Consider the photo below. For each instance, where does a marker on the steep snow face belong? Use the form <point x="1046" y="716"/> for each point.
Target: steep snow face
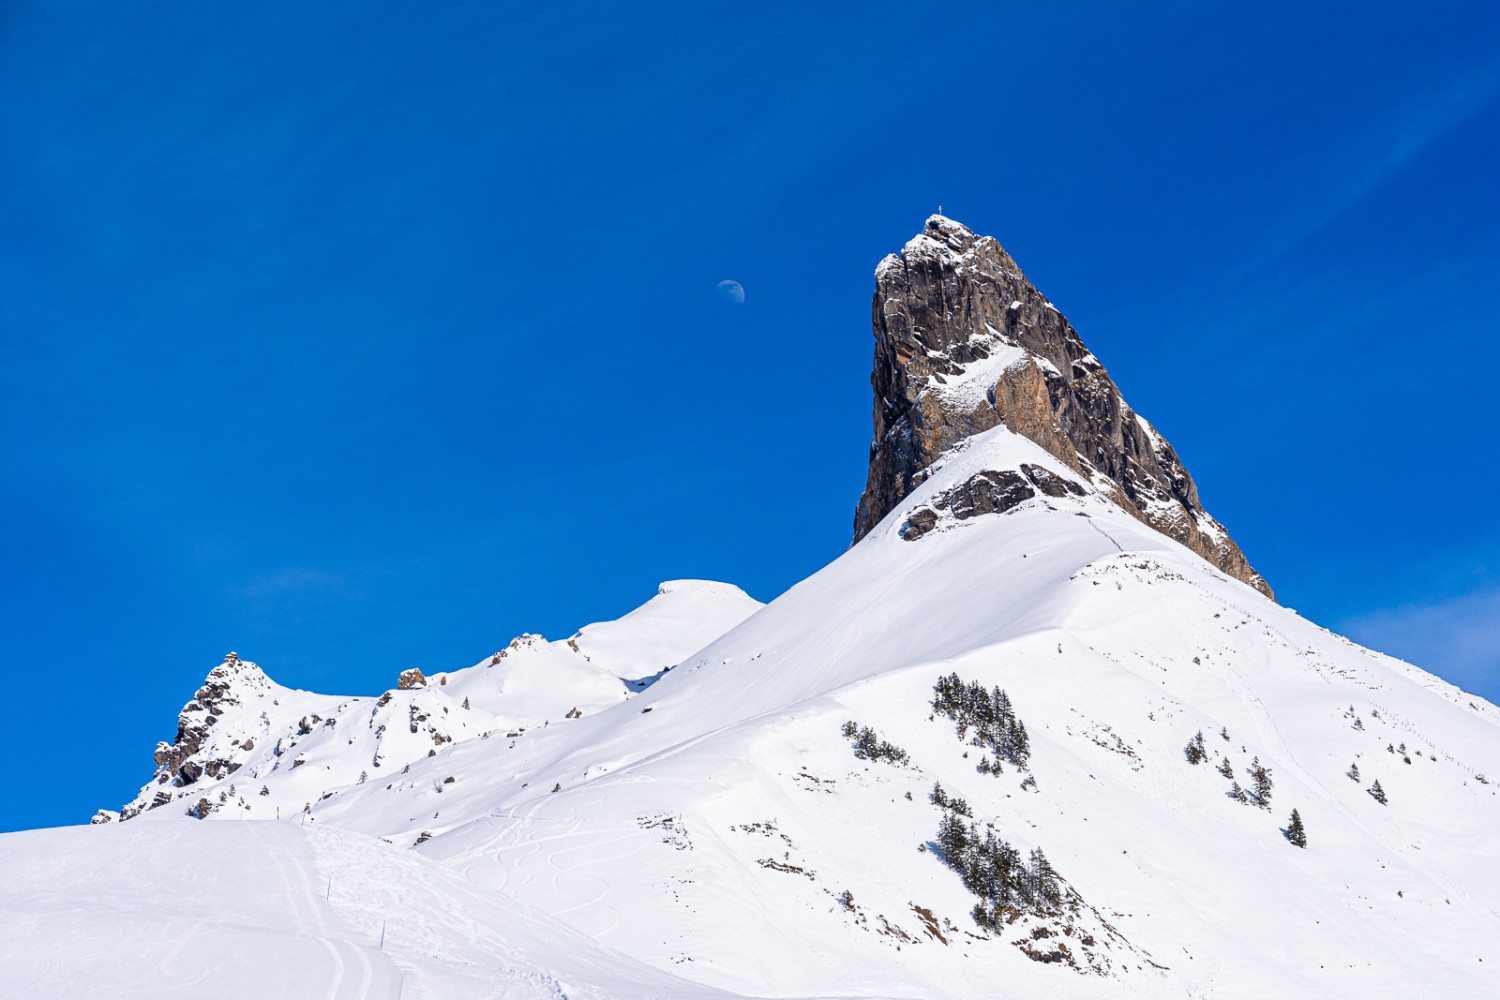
<point x="718" y="824"/>
<point x="742" y="832"/>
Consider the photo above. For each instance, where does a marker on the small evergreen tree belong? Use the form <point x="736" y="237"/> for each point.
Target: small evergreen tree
<point x="1237" y="793"/>
<point x="1021" y="744"/>
<point x="1194" y="750"/>
<point x="1377" y="793"/>
<point x="1262" y="777"/>
<point x="1294" y="831"/>
<point x="1354" y="771"/>
<point x="1224" y="733"/>
<point x="1043" y="879"/>
<point x="1225" y="768"/>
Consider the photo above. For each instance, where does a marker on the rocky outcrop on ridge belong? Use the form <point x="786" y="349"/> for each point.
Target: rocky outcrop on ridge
<point x="189" y="757"/>
<point x="964" y="343"/>
<point x="176" y="761"/>
<point x="988" y="492"/>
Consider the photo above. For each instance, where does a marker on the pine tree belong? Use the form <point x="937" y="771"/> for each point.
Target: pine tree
<point x="952" y="837"/>
<point x="1262" y="776"/>
<point x="1022" y="745"/>
<point x="1224" y="733"/>
<point x="1194" y="750"/>
<point x="1237" y="793"/>
<point x="1044" y="878"/>
<point x="1294" y="831"/>
<point x="1225" y="768"/>
<point x="1354" y="771"/>
<point x="1377" y="793"/>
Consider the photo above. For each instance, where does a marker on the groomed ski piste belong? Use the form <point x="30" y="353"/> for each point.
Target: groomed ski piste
<point x="593" y="824"/>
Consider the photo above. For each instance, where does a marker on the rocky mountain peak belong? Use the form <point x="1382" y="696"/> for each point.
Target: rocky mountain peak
<point x="964" y="343"/>
<point x="191" y="755"/>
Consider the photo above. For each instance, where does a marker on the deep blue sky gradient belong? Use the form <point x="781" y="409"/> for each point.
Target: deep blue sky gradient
<point x="360" y="336"/>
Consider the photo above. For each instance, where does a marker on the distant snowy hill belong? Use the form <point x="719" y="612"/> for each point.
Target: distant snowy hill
<point x="1039" y="733"/>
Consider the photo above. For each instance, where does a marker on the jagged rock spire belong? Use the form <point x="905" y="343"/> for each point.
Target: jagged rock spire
<point x="963" y="343"/>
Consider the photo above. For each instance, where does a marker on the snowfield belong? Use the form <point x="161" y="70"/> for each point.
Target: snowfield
<point x="257" y="910"/>
<point x="574" y="819"/>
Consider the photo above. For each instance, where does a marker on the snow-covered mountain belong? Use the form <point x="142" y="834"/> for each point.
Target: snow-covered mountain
<point x="1040" y="732"/>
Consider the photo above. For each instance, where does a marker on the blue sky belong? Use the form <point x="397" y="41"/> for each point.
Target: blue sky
<point x="356" y="336"/>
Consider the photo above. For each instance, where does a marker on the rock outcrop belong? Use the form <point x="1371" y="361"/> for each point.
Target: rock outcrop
<point x="177" y="762"/>
<point x="964" y="343"/>
<point x="191" y="755"/>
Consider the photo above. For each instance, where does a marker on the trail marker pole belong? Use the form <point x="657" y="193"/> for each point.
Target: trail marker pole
<point x="382" y="935"/>
<point x="329" y="893"/>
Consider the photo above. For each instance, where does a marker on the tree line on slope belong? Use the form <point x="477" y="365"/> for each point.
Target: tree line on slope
<point x="991" y="716"/>
<point x="1007" y="884"/>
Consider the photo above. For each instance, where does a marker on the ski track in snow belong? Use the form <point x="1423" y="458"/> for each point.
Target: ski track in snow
<point x="302" y="892"/>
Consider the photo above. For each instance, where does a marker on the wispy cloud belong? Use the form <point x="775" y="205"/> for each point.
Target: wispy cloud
<point x="1369" y="156"/>
<point x="1458" y="639"/>
<point x="296" y="580"/>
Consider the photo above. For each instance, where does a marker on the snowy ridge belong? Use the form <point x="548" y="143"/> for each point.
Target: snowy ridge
<point x="249" y="746"/>
<point x="714" y="822"/>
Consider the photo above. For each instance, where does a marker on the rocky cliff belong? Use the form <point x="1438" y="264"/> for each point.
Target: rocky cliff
<point x="963" y="343"/>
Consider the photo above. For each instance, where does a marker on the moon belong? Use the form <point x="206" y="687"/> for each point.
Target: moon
<point x="732" y="291"/>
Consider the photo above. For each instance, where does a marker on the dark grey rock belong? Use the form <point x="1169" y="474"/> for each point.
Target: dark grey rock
<point x="989" y="493"/>
<point x="1051" y="484"/>
<point x="919" y="522"/>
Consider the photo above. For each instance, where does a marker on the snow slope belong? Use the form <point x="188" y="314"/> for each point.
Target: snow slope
<point x="258" y="910"/>
<point x="708" y="821"/>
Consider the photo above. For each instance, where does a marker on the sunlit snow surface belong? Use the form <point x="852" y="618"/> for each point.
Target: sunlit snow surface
<point x="705" y="819"/>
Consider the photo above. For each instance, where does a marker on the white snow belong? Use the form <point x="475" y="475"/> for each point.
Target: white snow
<point x="703" y="825"/>
<point x="967" y="391"/>
<point x="257" y="910"/>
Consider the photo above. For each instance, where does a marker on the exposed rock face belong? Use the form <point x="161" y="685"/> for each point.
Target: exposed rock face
<point x="963" y="343"/>
<point x="988" y="492"/>
<point x="178" y="762"/>
<point x="410" y="679"/>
